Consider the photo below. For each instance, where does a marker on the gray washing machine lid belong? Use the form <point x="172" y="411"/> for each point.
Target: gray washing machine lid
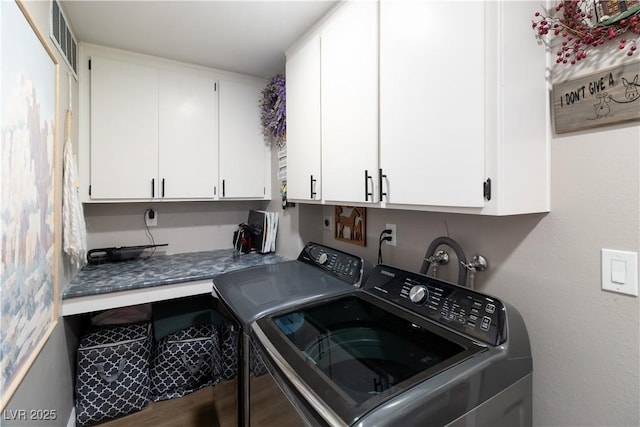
<point x="258" y="291"/>
<point x="353" y="353"/>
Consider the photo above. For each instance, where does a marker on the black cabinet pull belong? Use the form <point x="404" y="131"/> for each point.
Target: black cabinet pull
<point x="153" y="188"/>
<point x="223" y="189"/>
<point x="367" y="193"/>
<point x="313" y="193"/>
<point x="381" y="176"/>
<point x="162" y="187"/>
<point x="486" y="189"/>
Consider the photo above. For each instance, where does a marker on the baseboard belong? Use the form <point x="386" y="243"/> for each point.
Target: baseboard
<point x="72" y="418"/>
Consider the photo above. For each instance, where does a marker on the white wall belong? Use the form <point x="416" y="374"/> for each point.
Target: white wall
<point x="186" y="227"/>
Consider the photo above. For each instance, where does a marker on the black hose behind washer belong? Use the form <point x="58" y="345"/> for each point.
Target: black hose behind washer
<point x="462" y="259"/>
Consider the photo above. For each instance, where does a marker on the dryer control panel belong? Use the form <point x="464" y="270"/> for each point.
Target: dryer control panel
<point x="459" y="308"/>
<point x="344" y="266"/>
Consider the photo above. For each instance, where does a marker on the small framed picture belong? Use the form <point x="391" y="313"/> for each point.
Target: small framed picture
<point x="351" y="225"/>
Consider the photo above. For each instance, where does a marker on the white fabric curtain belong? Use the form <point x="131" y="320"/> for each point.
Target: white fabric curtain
<point x="74" y="230"/>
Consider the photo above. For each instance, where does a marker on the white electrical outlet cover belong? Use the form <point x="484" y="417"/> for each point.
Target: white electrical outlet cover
<point x="394" y="236"/>
<point x="151" y="222"/>
<point x="327" y="223"/>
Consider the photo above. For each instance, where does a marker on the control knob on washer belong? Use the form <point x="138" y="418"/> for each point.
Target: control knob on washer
<point x="418" y="294"/>
<point x="322" y="258"/>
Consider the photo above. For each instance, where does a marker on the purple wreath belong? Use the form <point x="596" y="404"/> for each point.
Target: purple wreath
<point x="274" y="108"/>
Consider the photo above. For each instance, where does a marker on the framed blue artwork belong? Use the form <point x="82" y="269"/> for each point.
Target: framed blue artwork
<point x="29" y="248"/>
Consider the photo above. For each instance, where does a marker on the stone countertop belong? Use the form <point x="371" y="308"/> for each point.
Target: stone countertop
<point x="161" y="270"/>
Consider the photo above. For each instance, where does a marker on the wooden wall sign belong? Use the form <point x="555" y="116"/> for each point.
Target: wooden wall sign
<point x="351" y="225"/>
<point x="598" y="99"/>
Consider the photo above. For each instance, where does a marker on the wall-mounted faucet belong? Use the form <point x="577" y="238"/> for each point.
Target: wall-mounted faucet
<point x="466" y="270"/>
<point x="439" y="258"/>
<point x="477" y="263"/>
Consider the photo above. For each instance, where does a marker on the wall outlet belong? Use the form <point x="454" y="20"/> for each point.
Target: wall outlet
<point x="151" y="217"/>
<point x="393" y="241"/>
<point x="327" y="223"/>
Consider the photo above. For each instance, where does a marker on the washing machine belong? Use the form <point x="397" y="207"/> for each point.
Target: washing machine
<point x="401" y="349"/>
<point x="319" y="273"/>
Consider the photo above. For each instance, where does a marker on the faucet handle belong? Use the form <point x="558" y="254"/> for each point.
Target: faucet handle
<point x="441" y="257"/>
<point x="477" y="263"/>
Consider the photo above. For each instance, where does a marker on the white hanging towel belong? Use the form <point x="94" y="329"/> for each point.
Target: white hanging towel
<point x="74" y="230"/>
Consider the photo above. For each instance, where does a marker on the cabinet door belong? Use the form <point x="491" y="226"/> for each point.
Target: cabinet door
<point x="303" y="123"/>
<point x="349" y="91"/>
<point x="432" y="102"/>
<point x="124" y="130"/>
<point x="188" y="166"/>
<point x="243" y="149"/>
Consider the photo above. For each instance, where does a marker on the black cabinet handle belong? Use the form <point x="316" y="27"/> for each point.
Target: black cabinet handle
<point x="162" y="187"/>
<point x="223" y="189"/>
<point x="381" y="176"/>
<point x="313" y="193"/>
<point x="367" y="193"/>
<point x="153" y="188"/>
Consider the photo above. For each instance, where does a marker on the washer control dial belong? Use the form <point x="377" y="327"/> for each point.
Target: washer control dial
<point x="418" y="294"/>
<point x="323" y="258"/>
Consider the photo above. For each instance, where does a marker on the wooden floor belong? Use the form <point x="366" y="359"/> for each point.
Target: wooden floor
<point x="216" y="407"/>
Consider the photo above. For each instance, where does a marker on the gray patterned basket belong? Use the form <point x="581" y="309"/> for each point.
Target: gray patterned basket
<point x="185" y="361"/>
<point x="112" y="377"/>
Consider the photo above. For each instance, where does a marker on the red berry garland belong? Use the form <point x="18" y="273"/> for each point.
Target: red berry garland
<point x="583" y="24"/>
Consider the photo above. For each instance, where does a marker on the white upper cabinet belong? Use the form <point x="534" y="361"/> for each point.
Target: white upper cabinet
<point x="188" y="141"/>
<point x="349" y="103"/>
<point x="463" y="111"/>
<point x="244" y="153"/>
<point x="154" y="133"/>
<point x="303" y="122"/>
<point x="154" y="129"/>
<point x="464" y="121"/>
<point x="432" y="102"/>
<point x="518" y="124"/>
<point x="124" y="130"/>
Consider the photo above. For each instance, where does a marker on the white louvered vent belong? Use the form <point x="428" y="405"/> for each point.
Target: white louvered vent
<point x="63" y="38"/>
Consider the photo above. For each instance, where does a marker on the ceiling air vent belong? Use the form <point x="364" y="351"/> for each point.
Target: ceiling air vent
<point x="63" y="38"/>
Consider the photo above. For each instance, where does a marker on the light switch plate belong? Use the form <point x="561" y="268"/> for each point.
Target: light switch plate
<point x="620" y="271"/>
